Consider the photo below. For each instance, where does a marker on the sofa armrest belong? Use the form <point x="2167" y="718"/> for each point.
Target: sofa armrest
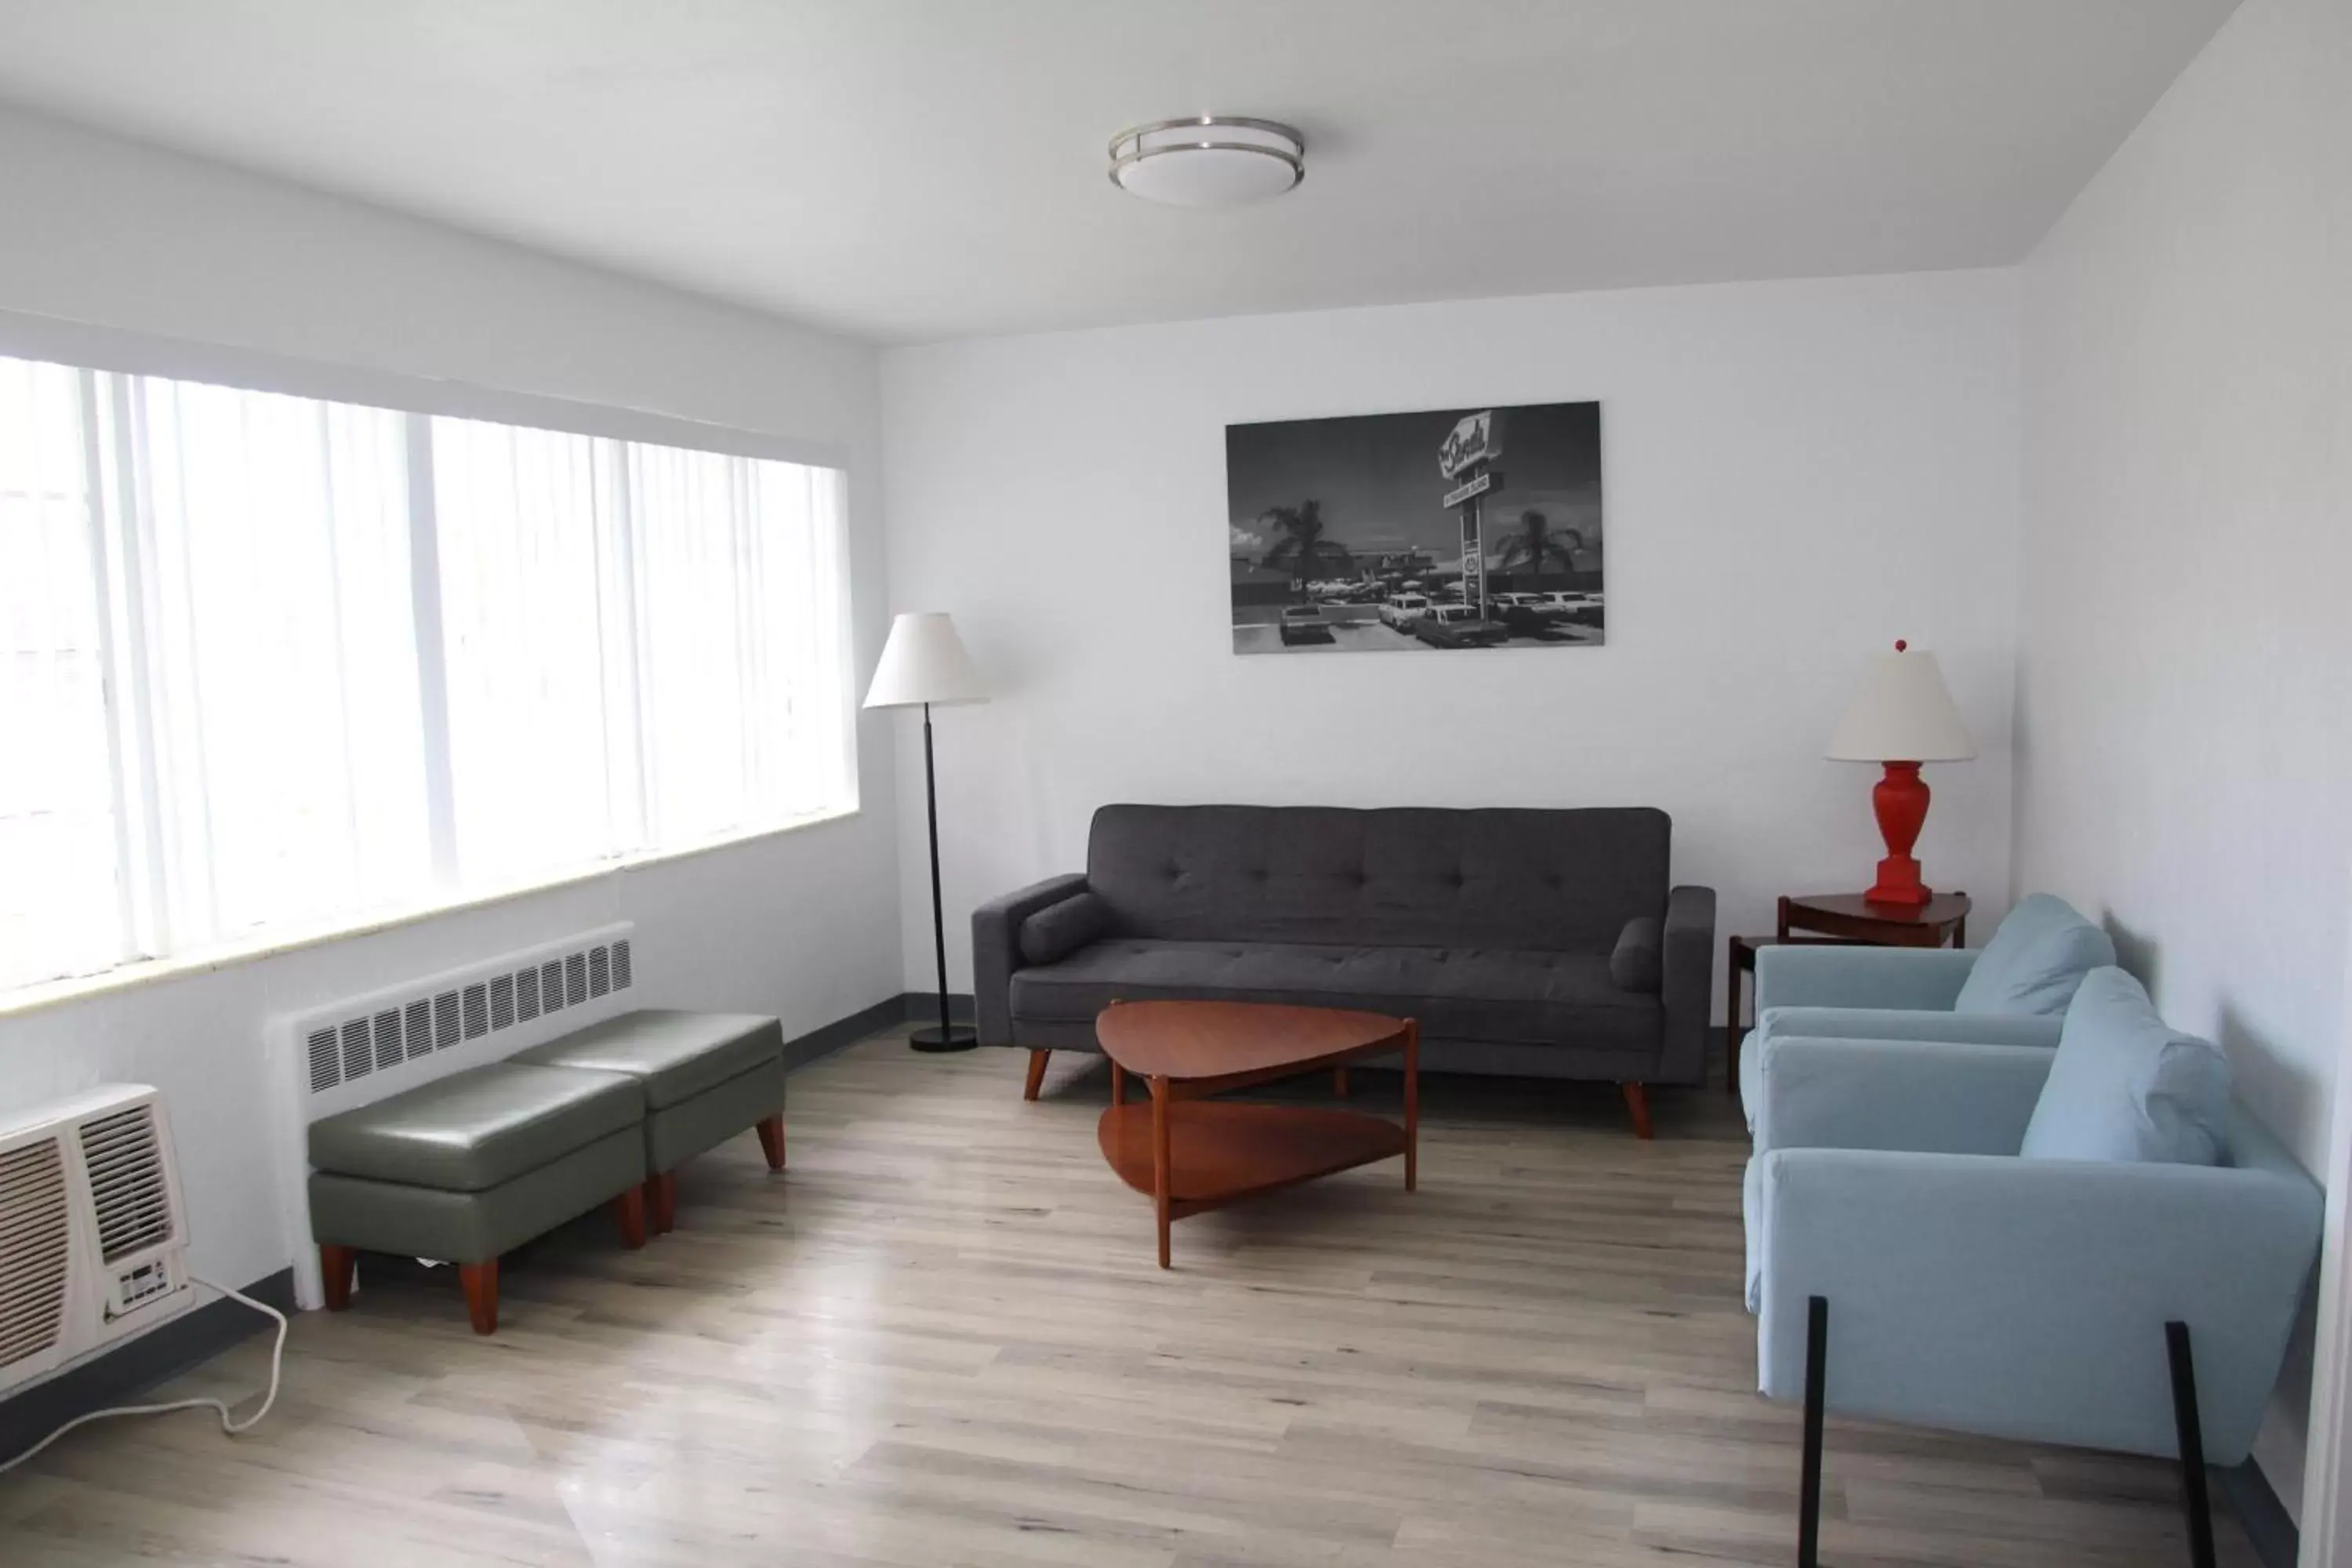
<point x="996" y="950"/>
<point x="2028" y="1298"/>
<point x="1686" y="985"/>
<point x="1924" y="1096"/>
<point x="1820" y="975"/>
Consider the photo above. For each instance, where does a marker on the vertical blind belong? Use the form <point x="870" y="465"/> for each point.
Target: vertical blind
<point x="271" y="662"/>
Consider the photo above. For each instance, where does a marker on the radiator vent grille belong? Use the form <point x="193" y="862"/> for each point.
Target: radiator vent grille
<point x="402" y="1030"/>
<point x="128" y="1183"/>
<point x="36" y="1249"/>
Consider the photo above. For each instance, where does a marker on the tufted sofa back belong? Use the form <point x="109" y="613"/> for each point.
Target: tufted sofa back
<point x="1412" y="877"/>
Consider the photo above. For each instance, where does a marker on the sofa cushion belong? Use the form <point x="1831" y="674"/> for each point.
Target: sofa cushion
<point x="1638" y="961"/>
<point x="675" y="1055"/>
<point x="1060" y="929"/>
<point x="475" y="1129"/>
<point x="1408" y="876"/>
<point x="2126" y="1086"/>
<point x="1457" y="994"/>
<point x="2037" y="956"/>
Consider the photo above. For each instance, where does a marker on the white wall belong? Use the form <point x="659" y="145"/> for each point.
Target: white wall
<point x="2183" y="752"/>
<point x="803" y="925"/>
<point x="1796" y="474"/>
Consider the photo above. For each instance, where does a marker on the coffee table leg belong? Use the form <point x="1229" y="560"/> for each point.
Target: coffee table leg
<point x="1159" y="1161"/>
<point x="1412" y="1105"/>
<point x="1118" y="1084"/>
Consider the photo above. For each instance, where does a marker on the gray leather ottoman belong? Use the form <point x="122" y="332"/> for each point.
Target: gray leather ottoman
<point x="465" y="1167"/>
<point x="705" y="1076"/>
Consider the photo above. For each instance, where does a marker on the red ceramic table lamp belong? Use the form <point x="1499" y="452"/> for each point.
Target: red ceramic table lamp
<point x="1901" y="716"/>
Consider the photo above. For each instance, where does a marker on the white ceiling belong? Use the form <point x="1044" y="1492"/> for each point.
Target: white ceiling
<point x="916" y="169"/>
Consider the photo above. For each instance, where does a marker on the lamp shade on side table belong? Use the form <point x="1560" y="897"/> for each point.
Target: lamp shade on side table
<point x="1901" y="715"/>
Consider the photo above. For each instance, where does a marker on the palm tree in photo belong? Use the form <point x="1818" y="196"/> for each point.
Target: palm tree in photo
<point x="1302" y="544"/>
<point x="1536" y="541"/>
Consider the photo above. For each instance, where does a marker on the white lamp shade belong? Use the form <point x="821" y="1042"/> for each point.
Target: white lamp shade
<point x="924" y="662"/>
<point x="1901" y="713"/>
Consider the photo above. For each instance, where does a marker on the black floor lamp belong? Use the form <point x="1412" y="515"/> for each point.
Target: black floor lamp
<point x="924" y="665"/>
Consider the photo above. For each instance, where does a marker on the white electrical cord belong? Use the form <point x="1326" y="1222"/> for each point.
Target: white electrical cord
<point x="229" y="1424"/>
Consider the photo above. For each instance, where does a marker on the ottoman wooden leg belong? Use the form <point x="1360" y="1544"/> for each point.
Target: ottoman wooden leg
<point x="771" y="1140"/>
<point x="661" y="1202"/>
<point x="336" y="1266"/>
<point x="481" y="1283"/>
<point x="629" y="1214"/>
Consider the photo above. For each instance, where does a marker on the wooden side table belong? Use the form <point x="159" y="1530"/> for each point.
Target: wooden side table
<point x="1835" y="919"/>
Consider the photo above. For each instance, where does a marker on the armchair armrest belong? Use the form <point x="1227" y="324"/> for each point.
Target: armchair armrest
<point x="996" y="950"/>
<point x="1924" y="1096"/>
<point x="1686" y="985"/>
<point x="2028" y="1298"/>
<point x="1809" y="975"/>
<point x="1912" y="1023"/>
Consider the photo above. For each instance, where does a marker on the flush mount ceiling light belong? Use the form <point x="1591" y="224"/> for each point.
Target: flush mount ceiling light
<point x="1208" y="161"/>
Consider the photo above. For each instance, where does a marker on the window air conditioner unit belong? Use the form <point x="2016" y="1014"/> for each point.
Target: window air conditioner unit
<point x="93" y="1233"/>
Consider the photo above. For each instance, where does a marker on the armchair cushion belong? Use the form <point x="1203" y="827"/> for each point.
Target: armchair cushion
<point x="2124" y="1085"/>
<point x="1060" y="929"/>
<point x="1638" y="961"/>
<point x="2035" y="960"/>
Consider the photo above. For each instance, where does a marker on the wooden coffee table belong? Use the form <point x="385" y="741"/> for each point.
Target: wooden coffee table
<point x="1191" y="1153"/>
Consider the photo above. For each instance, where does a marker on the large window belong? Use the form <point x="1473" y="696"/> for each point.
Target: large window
<point x="267" y="662"/>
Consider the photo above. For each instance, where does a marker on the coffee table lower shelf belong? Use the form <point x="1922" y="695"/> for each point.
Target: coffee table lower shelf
<point x="1222" y="1149"/>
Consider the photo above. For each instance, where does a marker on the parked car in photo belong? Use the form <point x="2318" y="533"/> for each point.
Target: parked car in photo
<point x="1570" y="605"/>
<point x="1303" y="624"/>
<point x="1496" y="603"/>
<point x="1523" y="620"/>
<point x="1458" y="626"/>
<point x="1402" y="610"/>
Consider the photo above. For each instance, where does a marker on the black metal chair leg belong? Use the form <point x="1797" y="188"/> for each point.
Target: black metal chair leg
<point x="1809" y="1494"/>
<point x="2191" y="1435"/>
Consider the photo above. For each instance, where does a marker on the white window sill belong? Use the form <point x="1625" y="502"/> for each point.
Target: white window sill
<point x="269" y="944"/>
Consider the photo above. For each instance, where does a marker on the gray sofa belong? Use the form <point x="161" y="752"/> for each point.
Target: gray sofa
<point x="1541" y="942"/>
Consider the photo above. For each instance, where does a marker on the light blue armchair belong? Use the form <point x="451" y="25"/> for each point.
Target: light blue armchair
<point x="2012" y="992"/>
<point x="1907" y="1263"/>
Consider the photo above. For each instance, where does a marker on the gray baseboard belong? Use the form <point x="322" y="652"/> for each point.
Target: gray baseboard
<point x="2275" y="1537"/>
<point x="923" y="1007"/>
<point x="122" y="1374"/>
<point x="907" y="1007"/>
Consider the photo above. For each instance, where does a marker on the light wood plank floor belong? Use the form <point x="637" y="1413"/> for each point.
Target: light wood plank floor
<point x="938" y="1339"/>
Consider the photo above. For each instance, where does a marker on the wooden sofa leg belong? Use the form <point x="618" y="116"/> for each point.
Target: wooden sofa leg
<point x="661" y="1202"/>
<point x="481" y="1283"/>
<point x="629" y="1215"/>
<point x="1637" y="1105"/>
<point x="771" y="1140"/>
<point x="336" y="1266"/>
<point x="1037" y="1074"/>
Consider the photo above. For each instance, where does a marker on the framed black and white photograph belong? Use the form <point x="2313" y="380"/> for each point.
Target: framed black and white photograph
<point x="1458" y="528"/>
